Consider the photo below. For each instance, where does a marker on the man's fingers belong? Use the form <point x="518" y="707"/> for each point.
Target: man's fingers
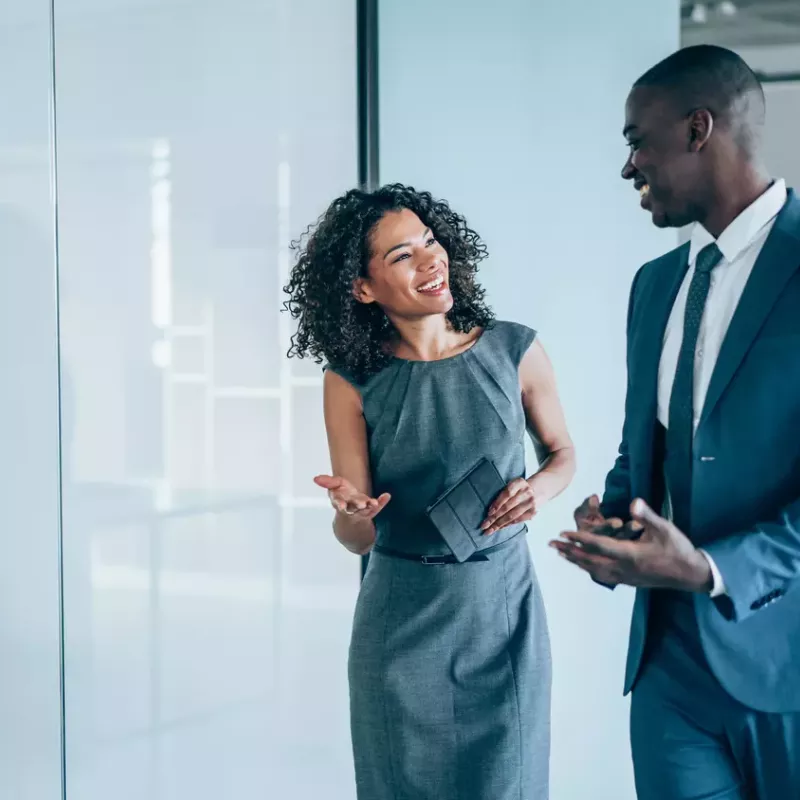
<point x="608" y="527"/>
<point x="594" y="543"/>
<point x="590" y="506"/>
<point x="596" y="565"/>
<point x="589" y="523"/>
<point x="631" y="531"/>
<point x="588" y="513"/>
<point x="642" y="513"/>
<point x="607" y="546"/>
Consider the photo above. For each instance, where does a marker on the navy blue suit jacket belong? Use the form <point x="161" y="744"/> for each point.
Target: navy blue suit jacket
<point x="746" y="474"/>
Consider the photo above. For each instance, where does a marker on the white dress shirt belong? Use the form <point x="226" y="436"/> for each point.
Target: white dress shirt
<point x="740" y="244"/>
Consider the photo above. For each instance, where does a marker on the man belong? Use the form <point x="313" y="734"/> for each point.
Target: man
<point x="711" y="440"/>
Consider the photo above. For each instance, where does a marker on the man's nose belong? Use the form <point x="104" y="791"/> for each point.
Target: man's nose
<point x="628" y="170"/>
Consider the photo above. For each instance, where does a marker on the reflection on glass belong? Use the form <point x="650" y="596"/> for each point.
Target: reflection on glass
<point x="30" y="718"/>
<point x="740" y="23"/>
<point x="207" y="604"/>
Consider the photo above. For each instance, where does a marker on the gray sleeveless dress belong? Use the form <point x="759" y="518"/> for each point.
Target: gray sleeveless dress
<point x="449" y="665"/>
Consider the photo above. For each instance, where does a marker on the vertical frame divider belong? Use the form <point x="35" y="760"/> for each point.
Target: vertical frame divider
<point x="368" y="120"/>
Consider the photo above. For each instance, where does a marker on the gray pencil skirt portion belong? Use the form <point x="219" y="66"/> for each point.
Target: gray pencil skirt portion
<point x="450" y="678"/>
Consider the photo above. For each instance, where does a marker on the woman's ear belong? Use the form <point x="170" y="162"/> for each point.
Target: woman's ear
<point x="362" y="292"/>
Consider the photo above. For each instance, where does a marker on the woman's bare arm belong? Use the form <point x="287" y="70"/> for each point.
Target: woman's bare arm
<point x="350" y="486"/>
<point x="546" y="424"/>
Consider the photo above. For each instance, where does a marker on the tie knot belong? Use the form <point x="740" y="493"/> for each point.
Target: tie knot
<point x="708" y="258"/>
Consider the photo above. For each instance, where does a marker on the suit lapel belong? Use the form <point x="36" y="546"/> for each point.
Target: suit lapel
<point x="776" y="264"/>
<point x="656" y="305"/>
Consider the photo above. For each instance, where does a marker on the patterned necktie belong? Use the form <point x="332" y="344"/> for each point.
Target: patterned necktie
<point x="680" y="430"/>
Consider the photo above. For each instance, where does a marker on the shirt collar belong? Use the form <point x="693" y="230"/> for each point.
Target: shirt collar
<point x="739" y="235"/>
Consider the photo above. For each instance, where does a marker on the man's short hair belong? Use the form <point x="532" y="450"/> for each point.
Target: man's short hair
<point x="710" y="77"/>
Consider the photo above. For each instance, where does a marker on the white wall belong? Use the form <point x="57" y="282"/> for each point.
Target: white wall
<point x="513" y="111"/>
<point x="30" y="706"/>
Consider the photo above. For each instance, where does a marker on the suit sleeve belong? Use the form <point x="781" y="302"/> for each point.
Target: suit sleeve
<point x="617" y="496"/>
<point x="758" y="566"/>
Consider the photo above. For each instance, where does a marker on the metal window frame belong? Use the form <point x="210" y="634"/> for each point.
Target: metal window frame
<point x="778" y="77"/>
<point x="367" y="92"/>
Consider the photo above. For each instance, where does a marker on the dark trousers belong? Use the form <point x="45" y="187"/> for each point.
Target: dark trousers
<point x="690" y="739"/>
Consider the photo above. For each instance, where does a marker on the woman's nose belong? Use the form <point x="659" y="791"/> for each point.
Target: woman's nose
<point x="428" y="264"/>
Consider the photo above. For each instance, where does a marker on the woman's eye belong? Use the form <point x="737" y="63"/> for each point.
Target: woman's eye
<point x="401" y="257"/>
<point x="430" y="241"/>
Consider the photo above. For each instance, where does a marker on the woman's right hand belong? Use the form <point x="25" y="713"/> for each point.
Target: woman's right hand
<point x="346" y="498"/>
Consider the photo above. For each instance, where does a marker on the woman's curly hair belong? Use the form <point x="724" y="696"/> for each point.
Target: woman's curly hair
<point x="352" y="336"/>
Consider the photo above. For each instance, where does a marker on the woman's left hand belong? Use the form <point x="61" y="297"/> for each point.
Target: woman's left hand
<point x="516" y="503"/>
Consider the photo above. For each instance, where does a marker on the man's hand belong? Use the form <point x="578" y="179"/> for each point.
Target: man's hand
<point x="589" y="518"/>
<point x="662" y="557"/>
<point x="588" y="515"/>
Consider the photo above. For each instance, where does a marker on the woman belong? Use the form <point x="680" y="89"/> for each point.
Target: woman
<point x="449" y="663"/>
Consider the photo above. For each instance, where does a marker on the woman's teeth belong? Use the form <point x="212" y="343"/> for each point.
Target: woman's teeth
<point x="431" y="286"/>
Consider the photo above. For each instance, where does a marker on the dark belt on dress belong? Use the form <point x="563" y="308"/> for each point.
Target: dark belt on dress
<point x="478" y="555"/>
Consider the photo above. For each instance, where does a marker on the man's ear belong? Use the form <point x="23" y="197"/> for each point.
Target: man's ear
<point x="362" y="292"/>
<point x="701" y="126"/>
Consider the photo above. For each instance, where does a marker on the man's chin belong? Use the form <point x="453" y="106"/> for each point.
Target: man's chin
<point x="661" y="219"/>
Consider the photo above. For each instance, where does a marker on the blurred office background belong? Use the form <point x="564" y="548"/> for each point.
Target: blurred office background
<point x="174" y="611"/>
<point x="766" y="33"/>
